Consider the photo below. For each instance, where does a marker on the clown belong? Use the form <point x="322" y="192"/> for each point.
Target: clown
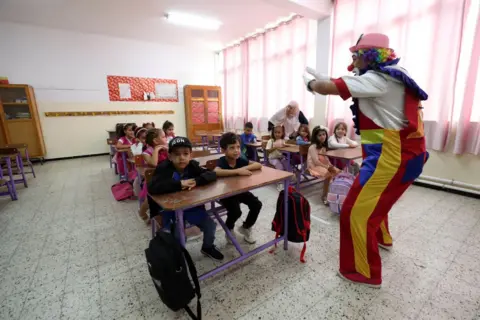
<point x="388" y="116"/>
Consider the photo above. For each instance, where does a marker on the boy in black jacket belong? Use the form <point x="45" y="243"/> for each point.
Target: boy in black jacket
<point x="178" y="173"/>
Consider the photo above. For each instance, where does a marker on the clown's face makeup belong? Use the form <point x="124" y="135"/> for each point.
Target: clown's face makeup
<point x="358" y="62"/>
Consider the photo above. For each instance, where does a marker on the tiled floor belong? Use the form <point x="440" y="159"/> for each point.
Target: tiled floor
<point x="68" y="250"/>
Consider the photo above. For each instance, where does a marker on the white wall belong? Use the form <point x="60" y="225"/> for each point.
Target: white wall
<point x="68" y="72"/>
<point x="444" y="165"/>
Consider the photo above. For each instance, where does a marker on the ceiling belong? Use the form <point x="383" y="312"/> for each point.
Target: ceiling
<point x="143" y="19"/>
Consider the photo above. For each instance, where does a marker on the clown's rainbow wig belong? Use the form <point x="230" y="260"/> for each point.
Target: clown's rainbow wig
<point x="377" y="55"/>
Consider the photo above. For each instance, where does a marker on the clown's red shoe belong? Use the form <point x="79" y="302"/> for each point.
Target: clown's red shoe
<point x="361" y="280"/>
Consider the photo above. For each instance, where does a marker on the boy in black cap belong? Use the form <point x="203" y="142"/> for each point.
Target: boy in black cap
<point x="178" y="173"/>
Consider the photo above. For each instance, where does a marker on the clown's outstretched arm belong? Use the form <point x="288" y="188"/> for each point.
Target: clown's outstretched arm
<point x="319" y="83"/>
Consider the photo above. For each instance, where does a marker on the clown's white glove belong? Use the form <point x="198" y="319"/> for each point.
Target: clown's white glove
<point x="317" y="76"/>
<point x="312" y="75"/>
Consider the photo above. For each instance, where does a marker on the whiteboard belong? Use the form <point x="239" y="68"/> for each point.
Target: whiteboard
<point x="165" y="91"/>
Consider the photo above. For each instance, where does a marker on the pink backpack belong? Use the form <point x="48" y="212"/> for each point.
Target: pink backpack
<point x="338" y="191"/>
<point x="122" y="190"/>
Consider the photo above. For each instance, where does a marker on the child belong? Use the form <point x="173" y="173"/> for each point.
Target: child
<point x="232" y="164"/>
<point x="275" y="157"/>
<point x="149" y="125"/>
<point x="126" y="139"/>
<point x="157" y="147"/>
<point x="178" y="173"/>
<point x="339" y="140"/>
<point x="168" y="128"/>
<point x="155" y="153"/>
<point x="318" y="164"/>
<point x="140" y="145"/>
<point x="303" y="135"/>
<point x="245" y="138"/>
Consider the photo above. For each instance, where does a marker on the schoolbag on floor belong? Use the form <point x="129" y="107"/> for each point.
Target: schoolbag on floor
<point x="122" y="190"/>
<point x="167" y="264"/>
<point x="298" y="219"/>
<point x="338" y="191"/>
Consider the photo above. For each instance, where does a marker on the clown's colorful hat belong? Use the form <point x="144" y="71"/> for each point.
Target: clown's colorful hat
<point x="370" y="41"/>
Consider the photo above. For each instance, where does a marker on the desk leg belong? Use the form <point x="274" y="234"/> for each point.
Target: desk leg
<point x="286" y="184"/>
<point x="125" y="167"/>
<point x="289" y="159"/>
<point x="255" y="154"/>
<point x="218" y="144"/>
<point x="180" y="227"/>
<point x="22" y="170"/>
<point x="205" y="142"/>
<point x="12" y="181"/>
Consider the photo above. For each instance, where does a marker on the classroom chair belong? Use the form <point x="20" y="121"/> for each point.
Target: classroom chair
<point x="10" y="190"/>
<point x="24" y="147"/>
<point x="112" y="143"/>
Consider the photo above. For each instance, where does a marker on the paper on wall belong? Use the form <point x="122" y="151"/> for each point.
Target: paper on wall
<point x="125" y="92"/>
<point x="165" y="91"/>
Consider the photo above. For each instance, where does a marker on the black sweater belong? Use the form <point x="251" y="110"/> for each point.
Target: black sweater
<point x="163" y="181"/>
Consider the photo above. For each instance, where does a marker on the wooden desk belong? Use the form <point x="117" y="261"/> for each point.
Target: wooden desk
<point x="223" y="188"/>
<point x="348" y="154"/>
<point x="203" y="160"/>
<point x="257" y="144"/>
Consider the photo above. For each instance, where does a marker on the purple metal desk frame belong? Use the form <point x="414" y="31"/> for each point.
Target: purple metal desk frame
<point x="243" y="255"/>
<point x="12" y="191"/>
<point x="298" y="174"/>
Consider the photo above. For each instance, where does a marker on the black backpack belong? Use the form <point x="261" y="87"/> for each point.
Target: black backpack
<point x="167" y="263"/>
<point x="298" y="219"/>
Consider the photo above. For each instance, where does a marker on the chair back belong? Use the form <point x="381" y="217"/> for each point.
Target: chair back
<point x="139" y="162"/>
<point x="148" y="175"/>
<point x="266" y="137"/>
<point x="200" y="153"/>
<point x="303" y="149"/>
<point x="8" y="151"/>
<point x="211" y="164"/>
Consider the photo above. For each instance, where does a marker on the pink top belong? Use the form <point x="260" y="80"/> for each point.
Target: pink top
<point x="314" y="159"/>
<point x="126" y="141"/>
<point x="162" y="154"/>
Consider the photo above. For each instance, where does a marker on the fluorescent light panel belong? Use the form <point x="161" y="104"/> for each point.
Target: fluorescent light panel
<point x="190" y="20"/>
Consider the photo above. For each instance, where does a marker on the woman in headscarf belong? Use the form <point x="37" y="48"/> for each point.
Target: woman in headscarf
<point x="290" y="117"/>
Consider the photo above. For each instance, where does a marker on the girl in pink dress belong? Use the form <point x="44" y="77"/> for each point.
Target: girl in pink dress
<point x="318" y="164"/>
<point x="156" y="152"/>
<point x="275" y="157"/>
<point x="125" y="142"/>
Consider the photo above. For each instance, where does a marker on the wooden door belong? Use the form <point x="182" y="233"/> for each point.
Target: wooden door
<point x="203" y="110"/>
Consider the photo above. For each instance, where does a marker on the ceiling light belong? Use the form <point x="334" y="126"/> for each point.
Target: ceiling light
<point x="194" y="21"/>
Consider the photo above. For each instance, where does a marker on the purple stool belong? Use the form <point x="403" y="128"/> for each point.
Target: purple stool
<point x="27" y="157"/>
<point x="6" y="154"/>
<point x="15" y="167"/>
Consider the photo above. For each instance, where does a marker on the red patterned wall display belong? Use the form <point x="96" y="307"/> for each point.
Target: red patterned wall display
<point x="138" y="86"/>
<point x="212" y="112"/>
<point x="198" y="112"/>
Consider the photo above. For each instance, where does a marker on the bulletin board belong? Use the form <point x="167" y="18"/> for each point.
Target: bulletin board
<point x="133" y="89"/>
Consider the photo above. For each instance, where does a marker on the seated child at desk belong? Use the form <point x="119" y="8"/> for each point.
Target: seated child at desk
<point x="303" y="135"/>
<point x="126" y="139"/>
<point x="245" y="138"/>
<point x="317" y="163"/>
<point x="275" y="157"/>
<point x="179" y="173"/>
<point x="155" y="153"/>
<point x="339" y="140"/>
<point x="140" y="145"/>
<point x="168" y="128"/>
<point x="232" y="164"/>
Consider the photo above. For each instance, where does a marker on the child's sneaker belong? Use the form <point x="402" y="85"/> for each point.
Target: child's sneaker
<point x="247" y="233"/>
<point x="229" y="241"/>
<point x="212" y="253"/>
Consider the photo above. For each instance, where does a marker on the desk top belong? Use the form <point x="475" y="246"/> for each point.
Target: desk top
<point x="349" y="154"/>
<point x="203" y="160"/>
<point x="290" y="148"/>
<point x="257" y="144"/>
<point x="222" y="188"/>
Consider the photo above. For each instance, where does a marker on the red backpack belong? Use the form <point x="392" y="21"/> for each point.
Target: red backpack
<point x="298" y="219"/>
<point x="122" y="190"/>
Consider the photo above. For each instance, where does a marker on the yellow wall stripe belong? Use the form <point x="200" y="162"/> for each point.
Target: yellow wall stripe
<point x="105" y="113"/>
<point x="367" y="200"/>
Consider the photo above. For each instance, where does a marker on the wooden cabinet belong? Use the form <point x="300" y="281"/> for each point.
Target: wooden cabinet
<point x="19" y="121"/>
<point x="203" y="110"/>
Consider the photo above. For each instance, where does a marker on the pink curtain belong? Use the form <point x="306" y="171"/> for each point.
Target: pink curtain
<point x="263" y="73"/>
<point x="466" y="128"/>
<point x="426" y="36"/>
